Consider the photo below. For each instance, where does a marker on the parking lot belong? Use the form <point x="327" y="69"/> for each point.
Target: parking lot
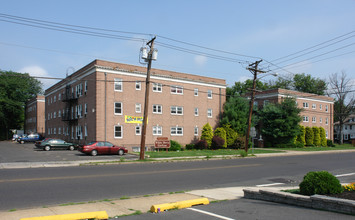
<point x="15" y="152"/>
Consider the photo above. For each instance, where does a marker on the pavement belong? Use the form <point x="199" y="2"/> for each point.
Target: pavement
<point x="129" y="206"/>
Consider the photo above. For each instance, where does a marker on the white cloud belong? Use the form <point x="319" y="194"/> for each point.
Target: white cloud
<point x="40" y="72"/>
<point x="200" y="60"/>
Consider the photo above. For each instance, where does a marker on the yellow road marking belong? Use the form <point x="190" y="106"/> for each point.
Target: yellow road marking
<point x="122" y="174"/>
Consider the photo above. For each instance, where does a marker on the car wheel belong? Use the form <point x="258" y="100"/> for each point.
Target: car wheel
<point x="47" y="148"/>
<point x="22" y="142"/>
<point x="120" y="152"/>
<point x="71" y="147"/>
<point x="94" y="153"/>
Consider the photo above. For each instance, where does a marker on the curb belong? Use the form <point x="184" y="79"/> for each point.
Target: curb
<point x="85" y="215"/>
<point x="179" y="205"/>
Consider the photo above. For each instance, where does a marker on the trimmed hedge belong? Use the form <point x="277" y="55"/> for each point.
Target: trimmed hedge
<point x="320" y="182"/>
<point x="309" y="137"/>
<point x="316" y="136"/>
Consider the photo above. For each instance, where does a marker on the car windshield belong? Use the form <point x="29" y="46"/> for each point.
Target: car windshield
<point x="92" y="142"/>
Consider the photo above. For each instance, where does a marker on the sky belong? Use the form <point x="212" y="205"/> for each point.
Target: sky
<point x="202" y="37"/>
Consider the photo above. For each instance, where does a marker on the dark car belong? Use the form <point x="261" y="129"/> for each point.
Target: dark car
<point x="30" y="138"/>
<point x="101" y="147"/>
<point x="55" y="144"/>
<point x="38" y="143"/>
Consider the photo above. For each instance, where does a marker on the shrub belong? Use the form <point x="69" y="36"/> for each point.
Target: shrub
<point x="217" y="142"/>
<point x="239" y="143"/>
<point x="207" y="134"/>
<point x="321" y="182"/>
<point x="309" y="136"/>
<point x="243" y="153"/>
<point x="174" y="146"/>
<point x="201" y="145"/>
<point x="190" y="146"/>
<point x="220" y="132"/>
<point x="231" y="135"/>
<point x="300" y="139"/>
<point x="316" y="136"/>
<point x="323" y="138"/>
<point x="330" y="143"/>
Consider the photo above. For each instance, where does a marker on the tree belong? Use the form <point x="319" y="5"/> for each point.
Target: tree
<point x="280" y="122"/>
<point x="309" y="136"/>
<point x="340" y="88"/>
<point x="241" y="88"/>
<point x="306" y="83"/>
<point x="235" y="114"/>
<point x="220" y="132"/>
<point x="316" y="136"/>
<point x="323" y="138"/>
<point x="301" y="136"/>
<point x="207" y="134"/>
<point x="15" y="90"/>
<point x="231" y="134"/>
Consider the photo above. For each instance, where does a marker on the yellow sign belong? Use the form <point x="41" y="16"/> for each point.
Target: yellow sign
<point x="133" y="119"/>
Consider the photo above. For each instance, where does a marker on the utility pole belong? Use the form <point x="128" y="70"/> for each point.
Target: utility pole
<point x="146" y="101"/>
<point x="253" y="68"/>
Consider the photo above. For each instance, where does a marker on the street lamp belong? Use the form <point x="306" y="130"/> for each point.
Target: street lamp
<point x="253" y="68"/>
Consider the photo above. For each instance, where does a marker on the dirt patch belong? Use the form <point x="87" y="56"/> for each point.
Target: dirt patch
<point x="345" y="195"/>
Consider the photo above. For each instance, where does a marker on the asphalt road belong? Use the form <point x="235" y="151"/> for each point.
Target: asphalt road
<point x="36" y="187"/>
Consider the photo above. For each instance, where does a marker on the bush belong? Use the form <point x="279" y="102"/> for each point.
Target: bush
<point x="316" y="136"/>
<point x="330" y="143"/>
<point x="239" y="143"/>
<point x="201" y="145"/>
<point x="174" y="146"/>
<point x="323" y="138"/>
<point x="243" y="153"/>
<point x="231" y="135"/>
<point x="300" y="139"/>
<point x="220" y="132"/>
<point x="217" y="142"/>
<point x="321" y="182"/>
<point x="190" y="146"/>
<point x="207" y="134"/>
<point x="309" y="136"/>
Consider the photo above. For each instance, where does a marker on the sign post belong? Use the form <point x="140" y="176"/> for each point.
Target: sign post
<point x="162" y="142"/>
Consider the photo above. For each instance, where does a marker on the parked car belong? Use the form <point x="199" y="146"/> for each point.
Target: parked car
<point x="38" y="143"/>
<point x="30" y="138"/>
<point x="101" y="147"/>
<point x="55" y="144"/>
<point x="15" y="137"/>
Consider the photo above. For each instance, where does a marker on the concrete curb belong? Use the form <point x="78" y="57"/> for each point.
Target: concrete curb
<point x="179" y="205"/>
<point x="86" y="215"/>
<point x="316" y="201"/>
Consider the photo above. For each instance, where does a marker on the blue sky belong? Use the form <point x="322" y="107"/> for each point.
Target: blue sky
<point x="259" y="29"/>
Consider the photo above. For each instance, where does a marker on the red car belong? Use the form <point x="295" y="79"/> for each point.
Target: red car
<point x="101" y="147"/>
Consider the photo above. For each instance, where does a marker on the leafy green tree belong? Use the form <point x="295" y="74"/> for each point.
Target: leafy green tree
<point x="309" y="136"/>
<point x="15" y="90"/>
<point x="231" y="134"/>
<point x="241" y="88"/>
<point x="323" y="138"/>
<point x="306" y="83"/>
<point x="207" y="134"/>
<point x="316" y="136"/>
<point x="220" y="132"/>
<point x="280" y="122"/>
<point x="301" y="136"/>
<point x="235" y="113"/>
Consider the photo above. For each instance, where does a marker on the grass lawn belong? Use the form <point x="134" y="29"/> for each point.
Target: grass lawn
<point x="337" y="147"/>
<point x="206" y="153"/>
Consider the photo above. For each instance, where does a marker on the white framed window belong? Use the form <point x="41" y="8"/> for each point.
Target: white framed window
<point x="138" y="108"/>
<point x="195" y="92"/>
<point x="138" y="85"/>
<point x="305" y="105"/>
<point x="85" y="131"/>
<point x="59" y="130"/>
<point x="59" y="96"/>
<point x="54" y="98"/>
<point x="326" y="133"/>
<point x="326" y="121"/>
<point x="314" y="119"/>
<point x="209" y="113"/>
<point x="177" y="131"/>
<point x="314" y="106"/>
<point x="320" y="120"/>
<point x="59" y="114"/>
<point x="305" y="119"/>
<point x="138" y="130"/>
<point x="85" y="86"/>
<point x="85" y="108"/>
<point x="320" y="107"/>
<point x="118" y="108"/>
<point x="54" y="130"/>
<point x="177" y="90"/>
<point x="118" y="131"/>
<point x="209" y="94"/>
<point x="177" y="110"/>
<point x="157" y="87"/>
<point x="118" y="85"/>
<point x="157" y="130"/>
<point x="326" y="108"/>
<point x="196" y="111"/>
<point x="196" y="131"/>
<point x="157" y="109"/>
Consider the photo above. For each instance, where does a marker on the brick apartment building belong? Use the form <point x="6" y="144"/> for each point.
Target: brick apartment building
<point x="34" y="115"/>
<point x="104" y="101"/>
<point x="317" y="110"/>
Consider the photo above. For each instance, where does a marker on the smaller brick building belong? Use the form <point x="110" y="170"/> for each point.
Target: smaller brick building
<point x="34" y="115"/>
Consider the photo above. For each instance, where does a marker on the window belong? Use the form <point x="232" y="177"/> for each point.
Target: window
<point x="49" y="116"/>
<point x="326" y="108"/>
<point x="85" y="86"/>
<point x="118" y="85"/>
<point x="196" y="131"/>
<point x="118" y="131"/>
<point x="314" y="106"/>
<point x="196" y="111"/>
<point x="209" y="94"/>
<point x="176" y="90"/>
<point x="59" y="113"/>
<point x="255" y="104"/>
<point x="305" y="118"/>
<point x="176" y="110"/>
<point x="346" y="127"/>
<point x="54" y="130"/>
<point x="320" y="106"/>
<point x="138" y="85"/>
<point x="85" y="130"/>
<point x="157" y="87"/>
<point x="157" y="130"/>
<point x="195" y="92"/>
<point x="314" y="119"/>
<point x="55" y="99"/>
<point x="305" y="105"/>
<point x="157" y="109"/>
<point x="85" y="108"/>
<point x="326" y="133"/>
<point x="138" y="108"/>
<point x="59" y="130"/>
<point x="176" y="131"/>
<point x="266" y="102"/>
<point x="326" y="121"/>
<point x="59" y="96"/>
<point x="209" y="113"/>
<point x="138" y="130"/>
<point x="320" y="120"/>
<point x="118" y="108"/>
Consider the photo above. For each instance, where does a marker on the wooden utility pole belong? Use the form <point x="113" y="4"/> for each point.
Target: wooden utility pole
<point x="253" y="68"/>
<point x="146" y="101"/>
